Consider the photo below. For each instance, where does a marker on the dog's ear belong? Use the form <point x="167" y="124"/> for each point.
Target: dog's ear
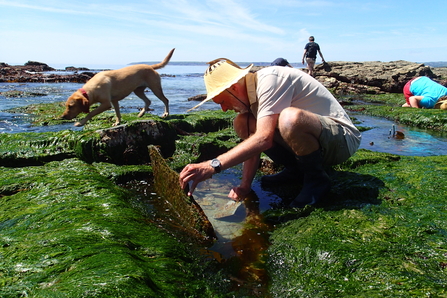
<point x="85" y="106"/>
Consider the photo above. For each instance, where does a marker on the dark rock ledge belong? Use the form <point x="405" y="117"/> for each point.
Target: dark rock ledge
<point x="37" y="72"/>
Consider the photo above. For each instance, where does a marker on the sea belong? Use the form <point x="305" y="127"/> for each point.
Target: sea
<point x="180" y="82"/>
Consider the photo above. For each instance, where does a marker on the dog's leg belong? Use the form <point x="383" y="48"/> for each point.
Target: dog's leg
<point x="101" y="108"/>
<point x="147" y="103"/>
<point x="116" y="106"/>
<point x="155" y="86"/>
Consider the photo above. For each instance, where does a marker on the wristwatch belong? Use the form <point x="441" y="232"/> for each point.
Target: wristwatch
<point x="215" y="163"/>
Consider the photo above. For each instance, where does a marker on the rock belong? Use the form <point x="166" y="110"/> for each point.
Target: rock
<point x="38" y="66"/>
<point x="441" y="74"/>
<point x="72" y="68"/>
<point x="370" y="77"/>
<point x="199" y="97"/>
<point x="36" y="72"/>
<point x="127" y="144"/>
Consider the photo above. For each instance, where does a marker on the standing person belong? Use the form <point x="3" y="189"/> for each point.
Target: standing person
<point x="310" y="53"/>
<point x="287" y="114"/>
<point x="423" y="92"/>
<point x="281" y="62"/>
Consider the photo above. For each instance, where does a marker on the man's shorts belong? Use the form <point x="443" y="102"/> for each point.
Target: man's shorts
<point x="311" y="61"/>
<point x="337" y="142"/>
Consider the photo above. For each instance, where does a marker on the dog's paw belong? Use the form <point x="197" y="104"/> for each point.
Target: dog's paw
<point x="78" y="124"/>
<point x="165" y="115"/>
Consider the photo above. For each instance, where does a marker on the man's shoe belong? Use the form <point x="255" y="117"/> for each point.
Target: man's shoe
<point x="314" y="189"/>
<point x="316" y="181"/>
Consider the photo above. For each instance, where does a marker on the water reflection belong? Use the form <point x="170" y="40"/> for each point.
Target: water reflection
<point x="17" y="123"/>
<point x="416" y="142"/>
<point x="243" y="238"/>
<point x="212" y="197"/>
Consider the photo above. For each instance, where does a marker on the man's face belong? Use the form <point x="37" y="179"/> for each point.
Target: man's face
<point x="229" y="101"/>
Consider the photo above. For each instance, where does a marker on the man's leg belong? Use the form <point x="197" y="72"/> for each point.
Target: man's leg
<point x="310" y="66"/>
<point x="301" y="131"/>
<point x="245" y="125"/>
<point x="282" y="156"/>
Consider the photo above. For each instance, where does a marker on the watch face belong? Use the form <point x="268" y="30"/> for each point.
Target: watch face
<point x="215" y="163"/>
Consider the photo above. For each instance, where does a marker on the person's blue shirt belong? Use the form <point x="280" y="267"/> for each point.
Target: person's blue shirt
<point x="429" y="90"/>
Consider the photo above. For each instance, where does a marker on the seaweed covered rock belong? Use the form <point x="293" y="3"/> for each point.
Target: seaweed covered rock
<point x="127" y="144"/>
<point x="392" y="246"/>
<point x="67" y="231"/>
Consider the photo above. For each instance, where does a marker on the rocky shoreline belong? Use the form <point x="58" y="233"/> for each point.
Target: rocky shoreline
<point x="343" y="77"/>
<point x="37" y="72"/>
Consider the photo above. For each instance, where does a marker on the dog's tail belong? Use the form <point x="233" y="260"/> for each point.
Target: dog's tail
<point x="164" y="62"/>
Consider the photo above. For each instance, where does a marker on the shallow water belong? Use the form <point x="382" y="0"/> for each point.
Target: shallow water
<point x="416" y="142"/>
<point x="212" y="195"/>
<point x="180" y="83"/>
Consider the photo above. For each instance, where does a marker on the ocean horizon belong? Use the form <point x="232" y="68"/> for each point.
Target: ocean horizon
<point x="203" y="64"/>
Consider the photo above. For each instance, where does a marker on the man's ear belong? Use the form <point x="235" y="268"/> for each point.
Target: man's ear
<point x="239" y="88"/>
<point x="235" y="87"/>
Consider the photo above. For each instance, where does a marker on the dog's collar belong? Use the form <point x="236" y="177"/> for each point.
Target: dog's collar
<point x="84" y="93"/>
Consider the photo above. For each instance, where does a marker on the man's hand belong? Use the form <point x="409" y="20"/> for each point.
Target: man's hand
<point x="195" y="173"/>
<point x="239" y="193"/>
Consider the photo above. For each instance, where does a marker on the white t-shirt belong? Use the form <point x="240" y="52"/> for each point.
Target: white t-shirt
<point x="279" y="87"/>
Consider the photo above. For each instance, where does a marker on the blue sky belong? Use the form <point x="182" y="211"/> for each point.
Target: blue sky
<point x="83" y="33"/>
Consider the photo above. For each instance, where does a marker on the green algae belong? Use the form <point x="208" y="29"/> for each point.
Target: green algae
<point x="389" y="106"/>
<point x="204" y="121"/>
<point x="35" y="148"/>
<point x="120" y="174"/>
<point x="127" y="144"/>
<point x="394" y="247"/>
<point x="200" y="147"/>
<point x="381" y="231"/>
<point x="67" y="231"/>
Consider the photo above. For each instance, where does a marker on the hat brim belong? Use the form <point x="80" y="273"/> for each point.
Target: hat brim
<point x="216" y="92"/>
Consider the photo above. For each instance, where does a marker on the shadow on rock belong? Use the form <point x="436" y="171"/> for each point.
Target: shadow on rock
<point x="349" y="191"/>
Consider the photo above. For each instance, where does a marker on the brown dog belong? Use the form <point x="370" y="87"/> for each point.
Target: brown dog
<point x="109" y="87"/>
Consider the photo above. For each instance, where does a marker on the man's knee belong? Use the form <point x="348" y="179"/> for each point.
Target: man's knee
<point x="293" y="121"/>
<point x="289" y="116"/>
<point x="244" y="125"/>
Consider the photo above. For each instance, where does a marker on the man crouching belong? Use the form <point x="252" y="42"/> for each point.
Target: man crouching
<point x="285" y="113"/>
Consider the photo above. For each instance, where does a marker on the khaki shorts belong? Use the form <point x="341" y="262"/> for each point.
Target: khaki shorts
<point x="337" y="142"/>
<point x="311" y="61"/>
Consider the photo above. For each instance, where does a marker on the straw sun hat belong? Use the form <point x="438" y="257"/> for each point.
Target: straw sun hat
<point x="220" y="75"/>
